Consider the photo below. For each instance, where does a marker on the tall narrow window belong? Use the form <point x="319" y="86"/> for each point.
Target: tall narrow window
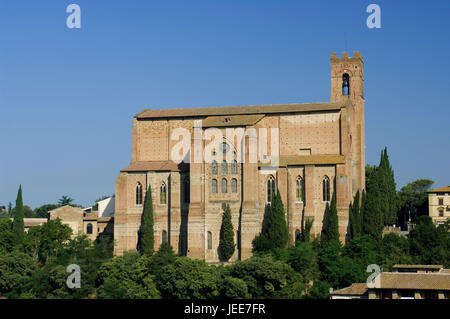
<point x="299" y="189"/>
<point x="224" y="168"/>
<point x="441" y="201"/>
<point x="224" y="186"/>
<point x="214" y="168"/>
<point x="164" y="236"/>
<point x="234" y="185"/>
<point x="326" y="189"/>
<point x="89" y="229"/>
<point x="270" y="188"/>
<point x="441" y="213"/>
<point x="234" y="167"/>
<point x="209" y="240"/>
<point x="345" y="84"/>
<point x="187" y="190"/>
<point x="214" y="186"/>
<point x="139" y="194"/>
<point x="163" y="194"/>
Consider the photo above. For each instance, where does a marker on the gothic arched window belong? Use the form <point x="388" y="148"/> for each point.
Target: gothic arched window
<point x="224" y="168"/>
<point x="89" y="229"/>
<point x="234" y="185"/>
<point x="214" y="168"/>
<point x="139" y="194"/>
<point x="164" y="236"/>
<point x="209" y="240"/>
<point x="270" y="188"/>
<point x="326" y="189"/>
<point x="214" y="186"/>
<point x="299" y="190"/>
<point x="345" y="84"/>
<point x="234" y="169"/>
<point x="224" y="185"/>
<point x="163" y="194"/>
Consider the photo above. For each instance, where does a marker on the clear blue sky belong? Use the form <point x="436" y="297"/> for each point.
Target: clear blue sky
<point x="67" y="97"/>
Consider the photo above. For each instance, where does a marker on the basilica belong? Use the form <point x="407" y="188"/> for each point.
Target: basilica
<point x="196" y="161"/>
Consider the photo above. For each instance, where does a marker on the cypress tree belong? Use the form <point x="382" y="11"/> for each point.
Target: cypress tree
<point x="331" y="232"/>
<point x="372" y="211"/>
<point x="227" y="245"/>
<point x="306" y="232"/>
<point x="355" y="217"/>
<point x="277" y="231"/>
<point x="18" y="224"/>
<point x="147" y="243"/>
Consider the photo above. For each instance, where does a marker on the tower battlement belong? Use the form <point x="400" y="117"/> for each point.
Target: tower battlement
<point x="357" y="57"/>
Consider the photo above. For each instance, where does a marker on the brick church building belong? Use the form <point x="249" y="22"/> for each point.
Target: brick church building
<point x="307" y="151"/>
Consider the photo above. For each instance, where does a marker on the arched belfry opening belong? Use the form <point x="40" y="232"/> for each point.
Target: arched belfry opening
<point x="345" y="84"/>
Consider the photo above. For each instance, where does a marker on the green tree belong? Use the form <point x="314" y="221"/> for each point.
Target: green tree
<point x="387" y="190"/>
<point x="356" y="217"/>
<point x="275" y="234"/>
<point x="127" y="277"/>
<point x="16" y="269"/>
<point x="413" y="199"/>
<point x="147" y="236"/>
<point x="266" y="278"/>
<point x="306" y="231"/>
<point x="188" y="279"/>
<point x="372" y="213"/>
<point x="234" y="288"/>
<point x="428" y="245"/>
<point x="331" y="230"/>
<point x="18" y="224"/>
<point x="47" y="240"/>
<point x="6" y="235"/>
<point x="226" y="244"/>
<point x="65" y="200"/>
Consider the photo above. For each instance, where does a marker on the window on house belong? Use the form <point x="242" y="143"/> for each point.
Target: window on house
<point x="234" y="169"/>
<point x="209" y="240"/>
<point x="299" y="189"/>
<point x="441" y="201"/>
<point x="234" y="185"/>
<point x="270" y="188"/>
<point x="326" y="189"/>
<point x="441" y="213"/>
<point x="214" y="186"/>
<point x="224" y="168"/>
<point x="224" y="185"/>
<point x="345" y="84"/>
<point x="89" y="229"/>
<point x="139" y="194"/>
<point x="163" y="194"/>
<point x="214" y="168"/>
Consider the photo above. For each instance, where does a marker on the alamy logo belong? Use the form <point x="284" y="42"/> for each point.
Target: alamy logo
<point x="373" y="280"/>
<point x="374" y="19"/>
<point x="74" y="19"/>
<point x="74" y="279"/>
<point x="206" y="146"/>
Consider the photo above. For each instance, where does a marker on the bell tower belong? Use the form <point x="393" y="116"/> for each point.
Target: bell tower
<point x="347" y="85"/>
<point x="347" y="78"/>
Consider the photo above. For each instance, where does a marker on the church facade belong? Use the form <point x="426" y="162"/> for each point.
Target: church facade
<point x="199" y="160"/>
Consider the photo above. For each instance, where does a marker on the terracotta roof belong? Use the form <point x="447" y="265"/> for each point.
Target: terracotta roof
<point x="401" y="266"/>
<point x="308" y="159"/>
<point x="241" y="110"/>
<point x="422" y="281"/>
<point x="232" y="120"/>
<point x="357" y="289"/>
<point x="440" y="190"/>
<point x="151" y="166"/>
